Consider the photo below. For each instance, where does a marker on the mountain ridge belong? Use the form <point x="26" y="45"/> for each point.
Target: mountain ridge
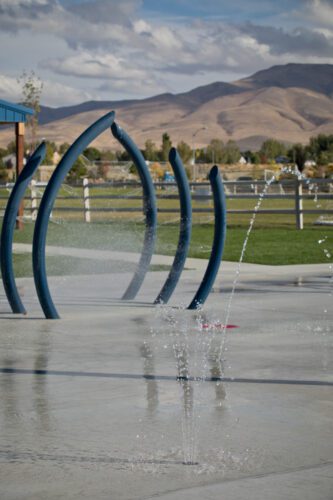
<point x="288" y="102"/>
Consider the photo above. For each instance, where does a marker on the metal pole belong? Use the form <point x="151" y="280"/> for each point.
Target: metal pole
<point x="45" y="209"/>
<point x="8" y="226"/>
<point x="149" y="209"/>
<point x="193" y="159"/>
<point x="193" y="152"/>
<point x="218" y="243"/>
<point x="33" y="196"/>
<point x="185" y="229"/>
<point x="86" y="200"/>
<point x="299" y="204"/>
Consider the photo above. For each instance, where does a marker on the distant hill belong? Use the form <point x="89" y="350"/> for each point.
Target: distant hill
<point x="316" y="77"/>
<point x="289" y="102"/>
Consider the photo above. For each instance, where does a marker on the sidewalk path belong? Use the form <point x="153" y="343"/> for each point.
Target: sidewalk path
<point x="191" y="263"/>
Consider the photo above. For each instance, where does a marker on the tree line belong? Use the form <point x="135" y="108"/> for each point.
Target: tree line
<point x="319" y="149"/>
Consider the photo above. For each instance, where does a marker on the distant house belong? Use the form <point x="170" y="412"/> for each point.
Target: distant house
<point x="56" y="158"/>
<point x="310" y="163"/>
<point x="242" y="160"/>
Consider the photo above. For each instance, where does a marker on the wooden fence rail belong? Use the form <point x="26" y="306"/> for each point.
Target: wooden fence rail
<point x="317" y="189"/>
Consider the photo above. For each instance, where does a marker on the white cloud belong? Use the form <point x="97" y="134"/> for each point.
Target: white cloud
<point x="93" y="65"/>
<point x="163" y="38"/>
<point x="110" y="26"/>
<point x="118" y="75"/>
<point x="142" y="27"/>
<point x="23" y="4"/>
<point x="121" y="88"/>
<point x="53" y="91"/>
<point x="320" y="11"/>
<point x="107" y="46"/>
<point x="11" y="90"/>
<point x="49" y="16"/>
<point x="106" y="11"/>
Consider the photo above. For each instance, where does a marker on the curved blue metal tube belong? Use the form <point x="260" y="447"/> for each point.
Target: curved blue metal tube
<point x="45" y="208"/>
<point x="218" y="243"/>
<point x="8" y="226"/>
<point x="149" y="209"/>
<point x="184" y="232"/>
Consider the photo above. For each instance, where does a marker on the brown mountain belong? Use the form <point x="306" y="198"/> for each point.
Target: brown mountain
<point x="290" y="103"/>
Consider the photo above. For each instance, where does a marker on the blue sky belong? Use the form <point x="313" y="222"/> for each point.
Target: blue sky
<point x="110" y="50"/>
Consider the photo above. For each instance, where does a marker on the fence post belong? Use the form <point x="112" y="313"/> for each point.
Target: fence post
<point x="299" y="204"/>
<point x="33" y="195"/>
<point x="86" y="200"/>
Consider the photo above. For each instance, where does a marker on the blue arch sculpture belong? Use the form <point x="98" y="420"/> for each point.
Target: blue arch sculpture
<point x="8" y="226"/>
<point x="214" y="262"/>
<point x="45" y="208"/>
<point x="149" y="209"/>
<point x="184" y="232"/>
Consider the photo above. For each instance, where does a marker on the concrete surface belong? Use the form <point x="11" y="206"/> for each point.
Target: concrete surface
<point x="91" y="406"/>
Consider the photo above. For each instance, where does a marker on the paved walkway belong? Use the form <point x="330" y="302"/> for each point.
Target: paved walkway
<point x="194" y="264"/>
<point x="91" y="406"/>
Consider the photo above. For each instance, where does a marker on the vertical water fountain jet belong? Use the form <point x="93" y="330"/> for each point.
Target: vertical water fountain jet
<point x="237" y="273"/>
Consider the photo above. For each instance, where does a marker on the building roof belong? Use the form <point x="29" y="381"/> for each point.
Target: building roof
<point x="13" y="113"/>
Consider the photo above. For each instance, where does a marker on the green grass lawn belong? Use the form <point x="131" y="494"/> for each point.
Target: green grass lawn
<point x="274" y="246"/>
<point x="273" y="240"/>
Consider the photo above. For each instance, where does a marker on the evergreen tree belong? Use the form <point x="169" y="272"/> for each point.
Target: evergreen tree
<point x="77" y="172"/>
<point x="215" y="151"/>
<point x="185" y="151"/>
<point x="150" y="152"/>
<point x="298" y="154"/>
<point x="271" y="148"/>
<point x="93" y="154"/>
<point x="50" y="150"/>
<point x="231" y="153"/>
<point x="166" y="146"/>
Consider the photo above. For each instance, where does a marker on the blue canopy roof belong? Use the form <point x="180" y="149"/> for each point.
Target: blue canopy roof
<point x="13" y="113"/>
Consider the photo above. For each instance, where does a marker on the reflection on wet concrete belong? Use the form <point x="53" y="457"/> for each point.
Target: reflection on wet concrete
<point x="308" y="285"/>
<point x="216" y="372"/>
<point x="9" y="396"/>
<point x="181" y="352"/>
<point x="40" y="396"/>
<point x="215" y="362"/>
<point x="136" y="376"/>
<point x="149" y="372"/>
<point x="14" y="456"/>
<point x="181" y="355"/>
